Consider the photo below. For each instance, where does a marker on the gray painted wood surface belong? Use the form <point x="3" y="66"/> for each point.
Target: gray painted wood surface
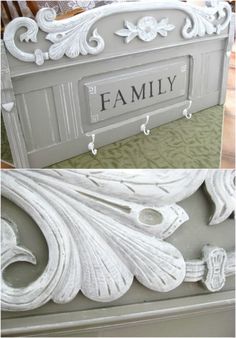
<point x="59" y="109"/>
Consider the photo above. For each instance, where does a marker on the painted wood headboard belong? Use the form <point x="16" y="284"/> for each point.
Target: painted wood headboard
<point x="109" y="73"/>
<point x="117" y="250"/>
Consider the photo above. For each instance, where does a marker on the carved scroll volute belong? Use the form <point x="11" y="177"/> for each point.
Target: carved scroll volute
<point x="101" y="230"/>
<point x="73" y="36"/>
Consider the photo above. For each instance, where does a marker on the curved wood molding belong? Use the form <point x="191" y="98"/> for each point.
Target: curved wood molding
<point x="102" y="230"/>
<point x="72" y="37"/>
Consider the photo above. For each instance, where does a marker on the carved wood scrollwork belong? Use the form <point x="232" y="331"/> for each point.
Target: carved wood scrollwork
<point x="72" y="37"/>
<point x="100" y="231"/>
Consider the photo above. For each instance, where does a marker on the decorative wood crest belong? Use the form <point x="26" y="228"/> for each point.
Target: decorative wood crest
<point x="102" y="230"/>
<point x="72" y="37"/>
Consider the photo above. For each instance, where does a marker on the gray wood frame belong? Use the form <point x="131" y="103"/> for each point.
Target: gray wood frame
<point x="197" y="316"/>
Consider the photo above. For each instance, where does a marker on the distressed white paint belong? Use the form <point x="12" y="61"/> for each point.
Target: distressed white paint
<point x="146" y="29"/>
<point x="103" y="228"/>
<point x="212" y="269"/>
<point x="221" y="186"/>
<point x="71" y="36"/>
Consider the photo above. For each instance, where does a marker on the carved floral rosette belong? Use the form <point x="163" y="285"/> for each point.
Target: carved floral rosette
<point x="73" y="37"/>
<point x="101" y="231"/>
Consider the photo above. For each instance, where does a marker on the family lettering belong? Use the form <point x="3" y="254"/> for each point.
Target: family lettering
<point x="145" y="91"/>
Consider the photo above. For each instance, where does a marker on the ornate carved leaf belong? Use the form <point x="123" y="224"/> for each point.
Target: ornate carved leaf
<point x="204" y="21"/>
<point x="99" y="251"/>
<point x="146" y="187"/>
<point x="10" y="251"/>
<point x="73" y="36"/>
<point x="220" y="185"/>
<point x="102" y="229"/>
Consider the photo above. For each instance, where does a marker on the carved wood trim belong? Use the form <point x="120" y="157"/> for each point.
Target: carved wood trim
<point x="10" y="115"/>
<point x="97" y="228"/>
<point x="71" y="36"/>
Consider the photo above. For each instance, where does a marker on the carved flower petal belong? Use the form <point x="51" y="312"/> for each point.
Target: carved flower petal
<point x="130" y="26"/>
<point x="123" y="32"/>
<point x="170" y="27"/>
<point x="131" y="36"/>
<point x="163" y="22"/>
<point x="162" y="32"/>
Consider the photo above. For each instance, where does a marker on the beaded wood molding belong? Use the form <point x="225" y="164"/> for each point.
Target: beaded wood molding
<point x="101" y="230"/>
<point x="72" y="36"/>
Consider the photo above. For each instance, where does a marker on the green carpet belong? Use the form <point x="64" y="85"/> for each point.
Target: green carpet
<point x="5" y="148"/>
<point x="194" y="143"/>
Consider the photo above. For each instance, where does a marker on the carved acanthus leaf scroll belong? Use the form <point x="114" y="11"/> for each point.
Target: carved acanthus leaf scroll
<point x="76" y="36"/>
<point x="103" y="228"/>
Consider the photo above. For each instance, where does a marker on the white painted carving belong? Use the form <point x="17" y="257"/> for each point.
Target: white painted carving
<point x="102" y="229"/>
<point x="147" y="29"/>
<point x="221" y="186"/>
<point x="215" y="259"/>
<point x="29" y="35"/>
<point x="8" y="106"/>
<point x="212" y="269"/>
<point x="10" y="251"/>
<point x="207" y="21"/>
<point x="73" y="36"/>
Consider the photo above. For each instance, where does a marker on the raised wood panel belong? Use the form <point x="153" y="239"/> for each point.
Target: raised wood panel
<point x="67" y="110"/>
<point x="38" y="118"/>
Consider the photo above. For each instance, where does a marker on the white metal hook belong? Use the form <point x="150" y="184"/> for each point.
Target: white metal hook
<point x="91" y="146"/>
<point x="144" y="126"/>
<point x="186" y="111"/>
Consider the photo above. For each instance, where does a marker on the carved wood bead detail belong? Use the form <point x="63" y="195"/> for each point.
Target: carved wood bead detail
<point x="103" y="228"/>
<point x="212" y="269"/>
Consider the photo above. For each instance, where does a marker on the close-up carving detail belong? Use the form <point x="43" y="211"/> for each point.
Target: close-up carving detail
<point x="103" y="228"/>
<point x="221" y="187"/>
<point x="73" y="37"/>
<point x="212" y="269"/>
